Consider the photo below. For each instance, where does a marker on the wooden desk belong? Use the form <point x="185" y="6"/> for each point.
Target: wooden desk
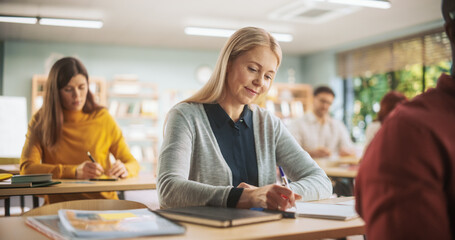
<point x="300" y="228"/>
<point x="343" y="167"/>
<point x="84" y="186"/>
<point x="10" y="168"/>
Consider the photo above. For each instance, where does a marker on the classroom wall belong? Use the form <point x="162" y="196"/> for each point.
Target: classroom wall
<point x="320" y="69"/>
<point x="169" y="68"/>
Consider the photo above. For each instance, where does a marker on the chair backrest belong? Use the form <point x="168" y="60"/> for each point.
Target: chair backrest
<point x="88" y="204"/>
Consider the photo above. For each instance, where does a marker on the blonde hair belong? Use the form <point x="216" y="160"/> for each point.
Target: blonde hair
<point x="49" y="119"/>
<point x="240" y="42"/>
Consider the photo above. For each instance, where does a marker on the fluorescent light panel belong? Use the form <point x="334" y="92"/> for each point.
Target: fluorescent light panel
<point x="384" y="4"/>
<point x="71" y="22"/>
<point x="218" y="32"/>
<point x="53" y="21"/>
<point x="25" y="20"/>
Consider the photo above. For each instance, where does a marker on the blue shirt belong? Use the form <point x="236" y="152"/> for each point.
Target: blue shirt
<point x="236" y="142"/>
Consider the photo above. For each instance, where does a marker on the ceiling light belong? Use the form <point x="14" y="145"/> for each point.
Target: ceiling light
<point x="71" y="22"/>
<point x="53" y="21"/>
<point x="218" y="32"/>
<point x="365" y="3"/>
<point x="210" y="32"/>
<point x="12" y="19"/>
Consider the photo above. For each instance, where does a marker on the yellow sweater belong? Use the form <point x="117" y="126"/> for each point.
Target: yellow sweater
<point x="96" y="132"/>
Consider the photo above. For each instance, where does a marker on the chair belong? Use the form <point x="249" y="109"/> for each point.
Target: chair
<point x="87" y="204"/>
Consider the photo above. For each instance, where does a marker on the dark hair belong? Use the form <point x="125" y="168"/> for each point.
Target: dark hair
<point x="389" y="102"/>
<point x="448" y="10"/>
<point x="49" y="119"/>
<point x="323" y="89"/>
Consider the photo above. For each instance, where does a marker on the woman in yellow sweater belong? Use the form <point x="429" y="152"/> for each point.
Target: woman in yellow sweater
<point x="69" y="125"/>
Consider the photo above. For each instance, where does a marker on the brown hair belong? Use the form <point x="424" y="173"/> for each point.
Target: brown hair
<point x="49" y="119"/>
<point x="389" y="102"/>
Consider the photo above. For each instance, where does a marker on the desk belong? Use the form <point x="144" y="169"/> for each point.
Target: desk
<point x="300" y="228"/>
<point x="84" y="186"/>
<point x="10" y="168"/>
<point x="342" y="171"/>
<point x="79" y="186"/>
<point x="343" y="167"/>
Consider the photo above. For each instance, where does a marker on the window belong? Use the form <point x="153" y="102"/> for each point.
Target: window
<point x="410" y="65"/>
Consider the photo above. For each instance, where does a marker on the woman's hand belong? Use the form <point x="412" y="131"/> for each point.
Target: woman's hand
<point x="118" y="170"/>
<point x="272" y="197"/>
<point x="88" y="169"/>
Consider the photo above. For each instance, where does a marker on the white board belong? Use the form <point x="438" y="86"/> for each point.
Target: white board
<point x="13" y="126"/>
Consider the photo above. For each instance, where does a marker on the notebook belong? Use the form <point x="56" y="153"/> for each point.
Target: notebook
<point x="31" y="178"/>
<point x="8" y="184"/>
<point x="108" y="224"/>
<point x="217" y="216"/>
<point x="326" y="210"/>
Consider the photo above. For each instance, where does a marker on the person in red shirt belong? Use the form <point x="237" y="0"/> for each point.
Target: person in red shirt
<point x="405" y="188"/>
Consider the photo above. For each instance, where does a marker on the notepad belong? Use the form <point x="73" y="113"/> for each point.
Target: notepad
<point x="217" y="216"/>
<point x="325" y="211"/>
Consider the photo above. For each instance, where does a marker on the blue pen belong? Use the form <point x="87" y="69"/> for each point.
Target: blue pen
<point x="284" y="180"/>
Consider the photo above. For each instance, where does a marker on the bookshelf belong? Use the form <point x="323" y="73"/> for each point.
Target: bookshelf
<point x="135" y="106"/>
<point x="97" y="86"/>
<point x="289" y="100"/>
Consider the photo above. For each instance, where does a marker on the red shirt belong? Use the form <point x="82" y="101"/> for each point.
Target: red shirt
<point x="405" y="188"/>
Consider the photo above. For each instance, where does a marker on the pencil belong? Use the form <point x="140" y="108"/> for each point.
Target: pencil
<point x="90" y="156"/>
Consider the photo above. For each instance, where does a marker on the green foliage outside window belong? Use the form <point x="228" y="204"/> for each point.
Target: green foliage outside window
<point x="369" y="90"/>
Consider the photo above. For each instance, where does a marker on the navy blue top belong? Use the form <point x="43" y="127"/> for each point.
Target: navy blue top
<point x="236" y="142"/>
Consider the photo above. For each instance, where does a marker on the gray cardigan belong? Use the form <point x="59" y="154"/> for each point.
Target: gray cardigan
<point x="193" y="172"/>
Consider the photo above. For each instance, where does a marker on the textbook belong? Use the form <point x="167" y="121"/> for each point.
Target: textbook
<point x="325" y="210"/>
<point x="27" y="185"/>
<point x="31" y="178"/>
<point x="116" y="223"/>
<point x="217" y="216"/>
<point x="49" y="225"/>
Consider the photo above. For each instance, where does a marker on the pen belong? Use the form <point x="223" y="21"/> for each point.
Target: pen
<point x="90" y="156"/>
<point x="284" y="180"/>
<point x="103" y="179"/>
<point x="283" y="213"/>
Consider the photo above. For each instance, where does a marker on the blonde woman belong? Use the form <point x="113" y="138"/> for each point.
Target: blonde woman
<point x="69" y="125"/>
<point x="219" y="149"/>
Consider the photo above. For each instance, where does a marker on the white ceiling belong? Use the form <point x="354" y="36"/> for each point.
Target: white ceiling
<point x="161" y="23"/>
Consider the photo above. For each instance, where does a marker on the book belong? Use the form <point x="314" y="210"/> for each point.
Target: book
<point x="217" y="216"/>
<point x="325" y="211"/>
<point x="31" y="178"/>
<point x="28" y="184"/>
<point x="113" y="106"/>
<point x="5" y="176"/>
<point x="49" y="225"/>
<point x="116" y="223"/>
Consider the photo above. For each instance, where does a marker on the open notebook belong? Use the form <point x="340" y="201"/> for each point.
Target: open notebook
<point x="338" y="211"/>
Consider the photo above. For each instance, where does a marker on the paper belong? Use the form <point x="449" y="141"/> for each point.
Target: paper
<point x="326" y="211"/>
